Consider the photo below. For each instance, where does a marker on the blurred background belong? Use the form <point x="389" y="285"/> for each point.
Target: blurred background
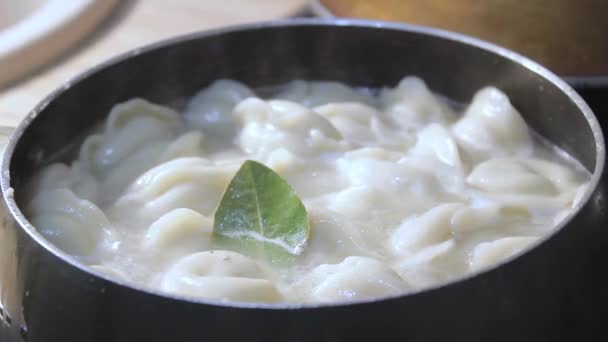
<point x="44" y="43"/>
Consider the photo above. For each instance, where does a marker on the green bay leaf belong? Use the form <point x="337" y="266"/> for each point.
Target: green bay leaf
<point x="261" y="215"/>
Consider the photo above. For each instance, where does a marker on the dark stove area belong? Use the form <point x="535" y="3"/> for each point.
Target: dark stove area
<point x="597" y="98"/>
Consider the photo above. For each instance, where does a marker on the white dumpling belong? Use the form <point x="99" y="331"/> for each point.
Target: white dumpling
<point x="376" y="153"/>
<point x="435" y="142"/>
<point x="226" y="289"/>
<point x="192" y="183"/>
<point x="509" y="175"/>
<point x="130" y="125"/>
<point x="355" y="278"/>
<point x="115" y="181"/>
<point x="332" y="237"/>
<point x="71" y="223"/>
<point x="220" y="275"/>
<point x="536" y="207"/>
<point x="130" y="111"/>
<point x="491" y="126"/>
<point x="437" y="152"/>
<point x="363" y="202"/>
<point x="281" y="160"/>
<point x="187" y="145"/>
<point x="219" y="263"/>
<point x="135" y="136"/>
<point x="450" y="220"/>
<point x="420" y="231"/>
<point x="412" y="105"/>
<point x="179" y="228"/>
<point x="352" y="219"/>
<point x="53" y="176"/>
<point x="211" y="108"/>
<point x="352" y="120"/>
<point x="469" y="219"/>
<point x="513" y="184"/>
<point x="317" y="93"/>
<point x="490" y="253"/>
<point x="58" y="175"/>
<point x="362" y="124"/>
<point x="268" y="125"/>
<point x="563" y="178"/>
<point x="378" y="168"/>
<point x="420" y="269"/>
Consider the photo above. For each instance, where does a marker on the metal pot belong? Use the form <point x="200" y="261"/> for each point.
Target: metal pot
<point x="46" y="295"/>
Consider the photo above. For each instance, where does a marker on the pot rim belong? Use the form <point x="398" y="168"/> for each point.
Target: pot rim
<point x="8" y="191"/>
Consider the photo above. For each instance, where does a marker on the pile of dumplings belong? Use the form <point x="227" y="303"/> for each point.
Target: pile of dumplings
<point x="403" y="190"/>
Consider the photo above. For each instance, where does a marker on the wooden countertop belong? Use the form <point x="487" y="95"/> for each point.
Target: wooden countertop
<point x="135" y="23"/>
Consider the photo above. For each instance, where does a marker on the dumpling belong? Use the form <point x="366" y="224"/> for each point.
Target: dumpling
<point x="509" y="175"/>
<point x="352" y="120"/>
<point x="58" y="175"/>
<point x="192" y="183"/>
<point x="421" y="231"/>
<point x="492" y="127"/>
<point x="72" y="224"/>
<point x="187" y="145"/>
<point x="317" y="93"/>
<point x="362" y="124"/>
<point x="437" y="152"/>
<point x="355" y="278"/>
<point x="353" y="219"/>
<point x="129" y="112"/>
<point x="179" y="229"/>
<point x="378" y="168"/>
<point x="449" y="220"/>
<point x="469" y="219"/>
<point x="269" y="125"/>
<point x="220" y="275"/>
<point x="411" y="104"/>
<point x="218" y="263"/>
<point x="490" y="253"/>
<point x="130" y="126"/>
<point x="363" y="202"/>
<point x="281" y="160"/>
<point x="136" y="134"/>
<point x="333" y="238"/>
<point x="211" y="108"/>
<point x="376" y="153"/>
<point x="563" y="178"/>
<point x="436" y="142"/>
<point x="524" y="184"/>
<point x="420" y="269"/>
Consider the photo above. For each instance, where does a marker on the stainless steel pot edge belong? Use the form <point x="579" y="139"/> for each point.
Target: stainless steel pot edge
<point x="7" y="191"/>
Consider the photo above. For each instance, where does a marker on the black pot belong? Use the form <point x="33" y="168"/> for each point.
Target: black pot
<point x="47" y="296"/>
